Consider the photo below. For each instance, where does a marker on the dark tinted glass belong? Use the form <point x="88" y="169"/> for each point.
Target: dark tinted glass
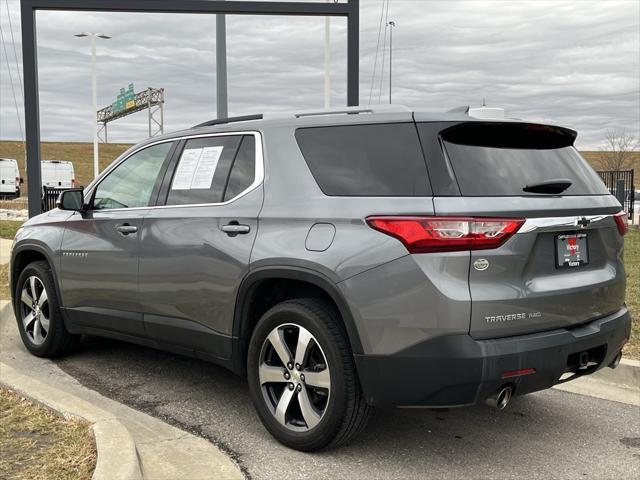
<point x="365" y="160"/>
<point x="243" y="171"/>
<point x="487" y="171"/>
<point x="201" y="173"/>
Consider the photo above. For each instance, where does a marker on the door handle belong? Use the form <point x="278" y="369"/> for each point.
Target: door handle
<point x="126" y="229"/>
<point x="234" y="228"/>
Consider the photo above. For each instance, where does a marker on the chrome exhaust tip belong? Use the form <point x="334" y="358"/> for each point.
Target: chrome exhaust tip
<point x="501" y="398"/>
<point x="616" y="361"/>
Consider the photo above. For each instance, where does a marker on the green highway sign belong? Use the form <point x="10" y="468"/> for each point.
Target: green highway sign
<point x="125" y="100"/>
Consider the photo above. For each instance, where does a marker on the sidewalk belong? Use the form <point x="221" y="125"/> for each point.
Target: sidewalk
<point x="136" y="445"/>
<point x="5" y="248"/>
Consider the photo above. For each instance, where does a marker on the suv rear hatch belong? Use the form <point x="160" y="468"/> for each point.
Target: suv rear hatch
<point x="563" y="266"/>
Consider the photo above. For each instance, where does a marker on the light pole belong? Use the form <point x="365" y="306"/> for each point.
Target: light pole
<point x="391" y="25"/>
<point x="222" y="102"/>
<point x="94" y="94"/>
<point x="327" y="61"/>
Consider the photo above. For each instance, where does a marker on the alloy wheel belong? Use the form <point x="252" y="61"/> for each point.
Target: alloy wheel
<point x="294" y="377"/>
<point x="34" y="310"/>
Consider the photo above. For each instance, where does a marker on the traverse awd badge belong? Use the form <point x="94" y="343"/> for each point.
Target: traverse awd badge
<point x="481" y="264"/>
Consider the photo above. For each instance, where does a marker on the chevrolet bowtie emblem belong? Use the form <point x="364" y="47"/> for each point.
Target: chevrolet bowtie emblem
<point x="582" y="222"/>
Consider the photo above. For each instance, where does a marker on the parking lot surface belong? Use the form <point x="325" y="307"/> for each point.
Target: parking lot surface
<point x="551" y="434"/>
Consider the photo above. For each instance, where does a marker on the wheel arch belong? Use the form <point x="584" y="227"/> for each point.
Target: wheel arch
<point x="22" y="256"/>
<point x="249" y="291"/>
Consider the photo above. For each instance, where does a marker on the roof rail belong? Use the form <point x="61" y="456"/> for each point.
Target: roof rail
<point x="222" y="121"/>
<point x="384" y="108"/>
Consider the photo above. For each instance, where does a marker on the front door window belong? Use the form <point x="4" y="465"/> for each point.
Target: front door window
<point x="131" y="183"/>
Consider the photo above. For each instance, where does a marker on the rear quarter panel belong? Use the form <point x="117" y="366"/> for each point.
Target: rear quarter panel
<point x="410" y="300"/>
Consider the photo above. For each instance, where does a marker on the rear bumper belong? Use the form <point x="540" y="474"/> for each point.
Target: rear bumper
<point x="458" y="370"/>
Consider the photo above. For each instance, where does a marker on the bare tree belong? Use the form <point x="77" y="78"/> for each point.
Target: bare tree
<point x="618" y="150"/>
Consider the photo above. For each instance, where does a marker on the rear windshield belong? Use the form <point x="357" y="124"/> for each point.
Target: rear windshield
<point x="501" y="160"/>
<point x="366" y="160"/>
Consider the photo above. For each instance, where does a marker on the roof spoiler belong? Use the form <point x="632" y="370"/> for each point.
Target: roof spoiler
<point x="480" y="112"/>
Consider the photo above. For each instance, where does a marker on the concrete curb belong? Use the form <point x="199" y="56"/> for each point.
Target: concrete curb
<point x="117" y="455"/>
<point x="621" y="384"/>
<point x="626" y="373"/>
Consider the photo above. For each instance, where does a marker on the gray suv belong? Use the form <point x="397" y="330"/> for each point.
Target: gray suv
<point x="341" y="261"/>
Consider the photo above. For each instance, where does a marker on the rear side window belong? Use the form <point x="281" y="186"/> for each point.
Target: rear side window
<point x="202" y="170"/>
<point x="366" y="160"/>
<point x="502" y="159"/>
<point x="243" y="169"/>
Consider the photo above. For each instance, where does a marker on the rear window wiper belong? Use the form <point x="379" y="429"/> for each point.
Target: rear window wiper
<point x="553" y="186"/>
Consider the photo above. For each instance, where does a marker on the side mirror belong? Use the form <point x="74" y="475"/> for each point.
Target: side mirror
<point x="21" y="180"/>
<point x="71" y="200"/>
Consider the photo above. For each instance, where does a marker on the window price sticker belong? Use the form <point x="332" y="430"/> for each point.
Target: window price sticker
<point x="196" y="168"/>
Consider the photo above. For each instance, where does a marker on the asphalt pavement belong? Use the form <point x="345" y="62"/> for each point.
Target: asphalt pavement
<point x="551" y="434"/>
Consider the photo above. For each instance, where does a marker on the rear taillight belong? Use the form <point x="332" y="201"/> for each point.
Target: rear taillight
<point x="447" y="234"/>
<point x="622" y="221"/>
<point x="17" y="181"/>
<point x="73" y="182"/>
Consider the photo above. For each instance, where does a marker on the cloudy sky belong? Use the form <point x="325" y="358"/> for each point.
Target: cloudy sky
<point x="574" y="63"/>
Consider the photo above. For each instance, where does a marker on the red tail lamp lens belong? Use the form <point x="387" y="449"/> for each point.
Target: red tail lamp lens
<point x="622" y="221"/>
<point x="447" y="234"/>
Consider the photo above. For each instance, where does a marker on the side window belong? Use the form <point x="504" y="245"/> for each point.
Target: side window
<point x="366" y="160"/>
<point x="131" y="183"/>
<point x="243" y="170"/>
<point x="202" y="170"/>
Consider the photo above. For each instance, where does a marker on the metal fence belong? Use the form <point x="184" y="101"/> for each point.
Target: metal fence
<point x="620" y="184"/>
<point x="50" y="197"/>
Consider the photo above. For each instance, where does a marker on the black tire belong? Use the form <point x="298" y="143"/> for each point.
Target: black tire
<point x="346" y="412"/>
<point x="58" y="341"/>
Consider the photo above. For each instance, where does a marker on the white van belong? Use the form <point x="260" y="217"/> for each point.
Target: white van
<point x="10" y="179"/>
<point x="58" y="174"/>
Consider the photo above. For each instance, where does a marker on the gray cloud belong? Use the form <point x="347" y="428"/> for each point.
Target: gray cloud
<point x="574" y="63"/>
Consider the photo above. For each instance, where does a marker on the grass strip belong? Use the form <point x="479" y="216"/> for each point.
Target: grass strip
<point x="37" y="443"/>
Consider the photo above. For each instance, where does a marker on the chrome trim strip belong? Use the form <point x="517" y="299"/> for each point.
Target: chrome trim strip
<point x="258" y="178"/>
<point x="544" y="223"/>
